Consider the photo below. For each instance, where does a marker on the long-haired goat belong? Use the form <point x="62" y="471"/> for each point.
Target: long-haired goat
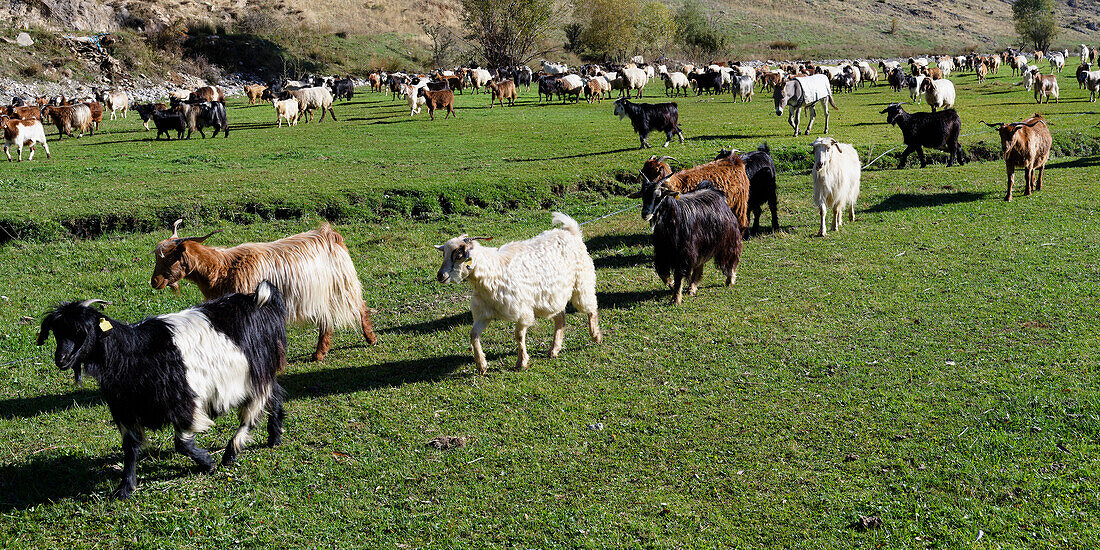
<point x="760" y="170"/>
<point x="688" y="230"/>
<point x="939" y="130"/>
<point x="726" y="173"/>
<point x="836" y="180"/>
<point x="1025" y="145"/>
<point x="182" y="369"/>
<point x="313" y="270"/>
<point x="69" y="118"/>
<point x="523" y="280"/>
<point x="21" y="133"/>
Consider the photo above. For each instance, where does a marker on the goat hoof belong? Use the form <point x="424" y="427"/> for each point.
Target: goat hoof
<point x="122" y="493"/>
<point x="318" y="357"/>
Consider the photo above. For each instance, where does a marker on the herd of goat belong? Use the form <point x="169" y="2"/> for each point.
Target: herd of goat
<point x="183" y="369"/>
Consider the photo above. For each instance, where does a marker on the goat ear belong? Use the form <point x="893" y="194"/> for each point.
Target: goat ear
<point x="203" y="238"/>
<point x="94" y="301"/>
<point x="440" y="247"/>
<point x="44" y="331"/>
<point x="635" y="195"/>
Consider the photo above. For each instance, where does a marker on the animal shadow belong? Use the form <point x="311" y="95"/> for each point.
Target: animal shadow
<point x="904" y="201"/>
<point x="627" y="299"/>
<point x="29" y="407"/>
<point x="389" y="374"/>
<point x="43" y="479"/>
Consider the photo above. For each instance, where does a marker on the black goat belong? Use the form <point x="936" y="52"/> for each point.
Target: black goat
<point x="166" y="121"/>
<point x="206" y="114"/>
<point x="688" y="230"/>
<point x="344" y="88"/>
<point x="523" y="77"/>
<point x="711" y="81"/>
<point x="17" y="101"/>
<point x="897" y="79"/>
<point x="182" y="369"/>
<point x="646" y="118"/>
<point x="760" y="170"/>
<point x="548" y="85"/>
<point x="146" y="110"/>
<point x="939" y="130"/>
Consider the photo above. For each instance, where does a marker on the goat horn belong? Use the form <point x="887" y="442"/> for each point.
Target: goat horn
<point x="175" y="229"/>
<point x="94" y="301"/>
<point x="203" y="238"/>
<point x="996" y="126"/>
<point x="481" y="238"/>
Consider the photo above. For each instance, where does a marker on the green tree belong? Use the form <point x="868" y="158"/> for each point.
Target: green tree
<point x="1035" y="22"/>
<point x="698" y="34"/>
<point x="510" y="32"/>
<point x="656" y="27"/>
<point x="608" y="32"/>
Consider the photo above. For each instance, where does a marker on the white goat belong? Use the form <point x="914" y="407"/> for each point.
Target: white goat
<point x="940" y="94"/>
<point x="1057" y="61"/>
<point x="412" y="95"/>
<point x="915" y="85"/>
<point x="523" y="280"/>
<point x="836" y="180"/>
<point x="554" y="68"/>
<point x="23" y="132"/>
<point x="633" y="79"/>
<point x="479" y="78"/>
<point x="1092" y="84"/>
<point x="744" y="87"/>
<point x="285" y="109"/>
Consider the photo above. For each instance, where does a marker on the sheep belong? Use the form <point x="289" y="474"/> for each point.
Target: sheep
<point x="183" y="369"/>
<point x="1092" y="84"/>
<point x="940" y="94"/>
<point x="523" y="280"/>
<point x="633" y="79"/>
<point x="674" y="82"/>
<point x="646" y="118"/>
<point x="1045" y="87"/>
<point x="744" y="87"/>
<point x="317" y="97"/>
<point x="570" y="84"/>
<point x="117" y="101"/>
<point x="836" y="180"/>
<point x="868" y="73"/>
<point x="479" y="78"/>
<point x="554" y="68"/>
<point x="1025" y="145"/>
<point x="760" y="170"/>
<point x="688" y="230"/>
<point x="23" y="132"/>
<point x="416" y="101"/>
<point x="938" y="130"/>
<point x="1084" y="53"/>
<point x="504" y="89"/>
<point x="726" y="173"/>
<point x="69" y="118"/>
<point x="945" y="66"/>
<point x="442" y="99"/>
<point x="286" y="109"/>
<point x="312" y="270"/>
<point x="916" y="84"/>
<point x="254" y="92"/>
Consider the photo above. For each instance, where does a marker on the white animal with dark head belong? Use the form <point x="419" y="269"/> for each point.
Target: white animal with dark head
<point x="524" y="280"/>
<point x="804" y="92"/>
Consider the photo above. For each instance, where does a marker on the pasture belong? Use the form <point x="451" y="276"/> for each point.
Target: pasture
<point x="933" y="364"/>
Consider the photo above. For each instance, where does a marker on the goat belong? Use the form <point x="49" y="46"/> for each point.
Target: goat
<point x="69" y="118"/>
<point x="286" y="109"/>
<point x="504" y="89"/>
<point x="117" y="101"/>
<point x="836" y="180"/>
<point x="1082" y="75"/>
<point x="166" y="121"/>
<point x="646" y="118"/>
<point x="254" y="92"/>
<point x="938" y="130"/>
<point x="570" y="84"/>
<point x="916" y="84"/>
<point x="1045" y="87"/>
<point x="656" y="169"/>
<point x="207" y="93"/>
<point x="416" y="101"/>
<point x="743" y="87"/>
<point x="725" y="173"/>
<point x="183" y="369"/>
<point x="523" y="280"/>
<point x="442" y="99"/>
<point x="688" y="230"/>
<point x="940" y="94"/>
<point x="317" y="97"/>
<point x="95" y="111"/>
<point x="344" y="88"/>
<point x="21" y="133"/>
<point x="146" y="110"/>
<point x="710" y="81"/>
<point x="760" y="170"/>
<point x="800" y="93"/>
<point x="896" y="79"/>
<point x="313" y="270"/>
<point x="1092" y="84"/>
<point x="206" y="114"/>
<point x="1025" y="145"/>
<point x="24" y="112"/>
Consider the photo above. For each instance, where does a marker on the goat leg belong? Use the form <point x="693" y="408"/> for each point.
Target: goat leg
<point x="1011" y="176"/>
<point x="559" y="332"/>
<point x="276" y="415"/>
<point x="368" y="329"/>
<point x="475" y="345"/>
<point x="131" y="447"/>
<point x="185" y="445"/>
<point x="521" y="343"/>
<point x="324" y="343"/>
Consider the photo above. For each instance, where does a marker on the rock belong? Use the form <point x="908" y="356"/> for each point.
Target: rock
<point x="24" y="39"/>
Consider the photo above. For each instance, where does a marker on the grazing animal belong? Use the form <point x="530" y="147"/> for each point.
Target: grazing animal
<point x="1045" y="87"/>
<point x="725" y="173"/>
<point x="313" y="270"/>
<point x="916" y="84"/>
<point x="1025" y="145"/>
<point x="675" y="83"/>
<point x="22" y="133"/>
<point x="804" y="92"/>
<point x="317" y="97"/>
<point x="501" y="90"/>
<point x="1092" y="84"/>
<point x="69" y="118"/>
<point x="836" y="180"/>
<point x="117" y="102"/>
<point x="442" y="99"/>
<point x="95" y="110"/>
<point x="548" y="86"/>
<point x="286" y="109"/>
<point x="570" y="85"/>
<point x="633" y="79"/>
<point x="416" y="101"/>
<point x="183" y="369"/>
<point x="646" y="118"/>
<point x="760" y="170"/>
<point x="688" y="230"/>
<point x="24" y="112"/>
<point x="940" y="94"/>
<point x="743" y="87"/>
<point x="204" y="115"/>
<point x="523" y="280"/>
<point x="254" y="92"/>
<point x="146" y="110"/>
<point x="344" y="88"/>
<point x="207" y="93"/>
<point x="1082" y="75"/>
<point x="938" y="130"/>
<point x="168" y="121"/>
<point x="656" y="169"/>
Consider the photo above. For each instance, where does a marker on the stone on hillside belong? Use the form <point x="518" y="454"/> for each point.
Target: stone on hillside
<point x="24" y="39"/>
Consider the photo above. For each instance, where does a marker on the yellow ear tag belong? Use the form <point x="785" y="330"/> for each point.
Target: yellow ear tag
<point x="468" y="261"/>
<point x="104" y="324"/>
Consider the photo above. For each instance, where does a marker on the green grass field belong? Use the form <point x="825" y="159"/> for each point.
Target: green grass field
<point x="933" y="364"/>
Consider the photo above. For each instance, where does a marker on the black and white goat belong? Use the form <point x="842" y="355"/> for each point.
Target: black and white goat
<point x="646" y="118"/>
<point x="182" y="369"/>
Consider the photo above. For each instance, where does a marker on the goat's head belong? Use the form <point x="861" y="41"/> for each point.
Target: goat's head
<point x="652" y="192"/>
<point x="892" y="112"/>
<point x="173" y="258"/>
<point x="457" y="258"/>
<point x="620" y="107"/>
<point x="75" y="327"/>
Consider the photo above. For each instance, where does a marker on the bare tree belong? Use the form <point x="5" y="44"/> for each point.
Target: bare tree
<point x="510" y="32"/>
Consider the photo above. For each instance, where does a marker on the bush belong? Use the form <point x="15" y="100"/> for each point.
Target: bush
<point x="785" y="45"/>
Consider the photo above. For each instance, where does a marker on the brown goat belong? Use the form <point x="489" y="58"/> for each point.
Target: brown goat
<point x="502" y="90"/>
<point x="254" y="92"/>
<point x="442" y="99"/>
<point x="313" y="270"/>
<point x="935" y="73"/>
<point x="97" y="114"/>
<point x="656" y="169"/>
<point x="69" y="118"/>
<point x="728" y="176"/>
<point x="1025" y="145"/>
<point x="24" y="113"/>
<point x="208" y="93"/>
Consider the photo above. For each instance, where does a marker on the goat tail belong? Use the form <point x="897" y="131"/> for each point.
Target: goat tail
<point x="763" y="148"/>
<point x="264" y="292"/>
<point x="833" y="103"/>
<point x="567" y="223"/>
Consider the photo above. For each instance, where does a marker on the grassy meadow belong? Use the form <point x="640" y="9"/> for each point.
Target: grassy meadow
<point x="933" y="364"/>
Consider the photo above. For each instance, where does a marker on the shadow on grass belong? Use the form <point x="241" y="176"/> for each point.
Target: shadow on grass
<point x="903" y="201"/>
<point x="383" y="375"/>
<point x="720" y="138"/>
<point x="1083" y="162"/>
<point x="48" y="478"/>
<point x="626" y="300"/>
<point x="615" y="242"/>
<point x="428" y="327"/>
<point x="578" y="155"/>
<point x="27" y="407"/>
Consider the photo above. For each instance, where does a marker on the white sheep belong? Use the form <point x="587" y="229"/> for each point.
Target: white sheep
<point x="633" y="79"/>
<point x="946" y="64"/>
<point x="743" y="87"/>
<point x="523" y="280"/>
<point x="479" y="78"/>
<point x="940" y="94"/>
<point x="836" y="180"/>
<point x="285" y="109"/>
<point x="674" y="82"/>
<point x="554" y="68"/>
